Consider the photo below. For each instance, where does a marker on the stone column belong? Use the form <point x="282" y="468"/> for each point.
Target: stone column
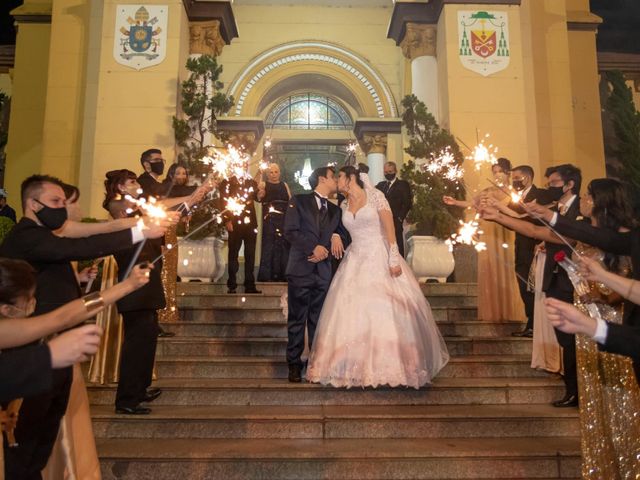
<point x="372" y="134"/>
<point x="419" y="46"/>
<point x="375" y="147"/>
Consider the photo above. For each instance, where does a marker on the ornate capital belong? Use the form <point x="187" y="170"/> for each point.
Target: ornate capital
<point x="241" y="131"/>
<point x="205" y="38"/>
<point x="374" y="142"/>
<point x="419" y="40"/>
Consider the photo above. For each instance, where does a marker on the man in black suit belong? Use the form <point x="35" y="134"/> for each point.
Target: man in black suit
<point x="311" y="225"/>
<point x="398" y="194"/>
<point x="564" y="184"/>
<point x="33" y="240"/>
<point x="153" y="165"/>
<point x="522" y="182"/>
<point x="242" y="228"/>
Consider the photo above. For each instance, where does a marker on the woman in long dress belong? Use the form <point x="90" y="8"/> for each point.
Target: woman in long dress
<point x="376" y="327"/>
<point x="274" y="195"/>
<point x="498" y="299"/>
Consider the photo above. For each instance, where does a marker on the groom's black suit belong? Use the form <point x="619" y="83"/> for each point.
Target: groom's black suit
<point x="305" y="227"/>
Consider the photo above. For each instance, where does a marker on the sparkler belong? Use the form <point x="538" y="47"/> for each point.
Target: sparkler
<point x="468" y="234"/>
<point x="483" y="154"/>
<point x="444" y="163"/>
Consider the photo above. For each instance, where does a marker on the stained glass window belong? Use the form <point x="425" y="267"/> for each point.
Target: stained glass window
<point x="309" y="111"/>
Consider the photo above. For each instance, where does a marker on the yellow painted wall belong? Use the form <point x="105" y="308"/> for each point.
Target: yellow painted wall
<point x="133" y="109"/>
<point x="362" y="30"/>
<point x="589" y="143"/>
<point x="494" y="104"/>
<point x="65" y="89"/>
<point x="24" y="148"/>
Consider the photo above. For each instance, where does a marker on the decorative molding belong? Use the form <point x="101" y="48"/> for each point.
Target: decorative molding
<point x="583" y="21"/>
<point x="419" y="41"/>
<point x="198" y="10"/>
<point x="625" y="62"/>
<point x="246" y="131"/>
<point x="372" y="133"/>
<point x="412" y="12"/>
<point x="205" y="38"/>
<point x="32" y="13"/>
<point x="7" y="57"/>
<point x="323" y="52"/>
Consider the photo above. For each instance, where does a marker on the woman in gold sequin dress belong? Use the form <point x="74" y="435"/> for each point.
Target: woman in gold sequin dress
<point x="608" y="391"/>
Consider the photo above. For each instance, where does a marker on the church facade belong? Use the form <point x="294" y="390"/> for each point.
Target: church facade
<point x="96" y="83"/>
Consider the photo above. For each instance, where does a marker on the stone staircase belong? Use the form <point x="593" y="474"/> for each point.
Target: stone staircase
<point x="228" y="412"/>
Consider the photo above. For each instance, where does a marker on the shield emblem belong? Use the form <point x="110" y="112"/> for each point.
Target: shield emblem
<point x="483" y="43"/>
<point x="483" y="38"/>
<point x="140" y="38"/>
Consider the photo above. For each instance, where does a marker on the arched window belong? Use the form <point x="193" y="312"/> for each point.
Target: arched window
<point x="309" y="111"/>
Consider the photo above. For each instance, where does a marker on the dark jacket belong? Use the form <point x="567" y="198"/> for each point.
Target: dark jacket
<point x="302" y="231"/>
<point x="623" y="340"/>
<point x="151" y="187"/>
<point x="525" y="246"/>
<point x="50" y="256"/>
<point x="233" y="188"/>
<point x="399" y="197"/>
<point x="8" y="212"/>
<point x="25" y="372"/>
<point x="151" y="296"/>
<point x="554" y="275"/>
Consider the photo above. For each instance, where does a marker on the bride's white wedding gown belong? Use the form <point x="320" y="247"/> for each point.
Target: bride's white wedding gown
<point x="374" y="329"/>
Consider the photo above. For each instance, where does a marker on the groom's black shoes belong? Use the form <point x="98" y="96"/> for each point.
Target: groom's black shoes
<point x="566" y="401"/>
<point x="295" y="373"/>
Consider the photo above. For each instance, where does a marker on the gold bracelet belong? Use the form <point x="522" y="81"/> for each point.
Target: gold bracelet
<point x="93" y="302"/>
<point x="630" y="288"/>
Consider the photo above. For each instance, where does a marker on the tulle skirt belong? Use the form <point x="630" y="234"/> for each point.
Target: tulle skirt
<point x="375" y="329"/>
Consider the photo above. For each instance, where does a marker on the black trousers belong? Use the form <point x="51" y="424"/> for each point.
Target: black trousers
<point x="275" y="250"/>
<point x="397" y="226"/>
<point x="37" y="429"/>
<point x="567" y="342"/>
<point x="306" y="296"/>
<point x="137" y="356"/>
<point x="528" y="298"/>
<point x="247" y="234"/>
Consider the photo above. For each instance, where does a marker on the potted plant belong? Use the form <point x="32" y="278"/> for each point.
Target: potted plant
<point x="202" y="102"/>
<point x="200" y="257"/>
<point x="432" y="220"/>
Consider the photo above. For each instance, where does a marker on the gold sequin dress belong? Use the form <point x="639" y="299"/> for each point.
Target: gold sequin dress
<point x="609" y="394"/>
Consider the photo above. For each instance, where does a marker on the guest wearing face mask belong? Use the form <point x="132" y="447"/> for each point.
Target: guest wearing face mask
<point x="33" y="240"/>
<point x="398" y="194"/>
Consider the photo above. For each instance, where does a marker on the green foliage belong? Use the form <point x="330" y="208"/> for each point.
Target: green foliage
<point x="6" y="224"/>
<point x="427" y="140"/>
<point x="202" y="102"/>
<point x="5" y="101"/>
<point x="626" y="124"/>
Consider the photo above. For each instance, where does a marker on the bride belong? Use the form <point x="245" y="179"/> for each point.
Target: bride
<point x="376" y="327"/>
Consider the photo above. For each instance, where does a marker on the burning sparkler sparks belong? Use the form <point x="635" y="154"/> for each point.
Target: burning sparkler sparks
<point x="151" y="208"/>
<point x="468" y="234"/>
<point x="483" y="154"/>
<point x="444" y="163"/>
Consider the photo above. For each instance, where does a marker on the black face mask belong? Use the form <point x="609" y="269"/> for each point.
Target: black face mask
<point x="518" y="185"/>
<point x="52" y="218"/>
<point x="157" y="167"/>
<point x="390" y="176"/>
<point x="554" y="193"/>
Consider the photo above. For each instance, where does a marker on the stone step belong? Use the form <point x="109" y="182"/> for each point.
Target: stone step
<point x="238" y="323"/>
<point x="475" y="366"/>
<point x="293" y="421"/>
<point x="275" y="288"/>
<point x="270" y="391"/>
<point x="250" y="346"/>
<point x="346" y="459"/>
<point x="269" y="314"/>
<point x="222" y="300"/>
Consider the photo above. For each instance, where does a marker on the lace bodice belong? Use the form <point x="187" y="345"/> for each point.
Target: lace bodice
<point x="365" y="227"/>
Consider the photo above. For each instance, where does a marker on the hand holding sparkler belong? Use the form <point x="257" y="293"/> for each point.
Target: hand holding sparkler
<point x="538" y="211"/>
<point x="568" y="318"/>
<point x="139" y="276"/>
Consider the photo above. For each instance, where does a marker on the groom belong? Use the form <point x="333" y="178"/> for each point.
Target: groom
<point x="312" y="226"/>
